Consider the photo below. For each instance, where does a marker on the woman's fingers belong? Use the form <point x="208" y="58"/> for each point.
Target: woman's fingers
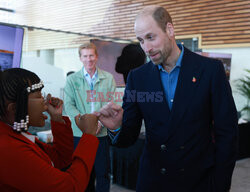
<point x="77" y="119"/>
<point x="54" y="101"/>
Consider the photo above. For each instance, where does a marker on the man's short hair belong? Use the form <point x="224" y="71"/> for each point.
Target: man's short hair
<point x="162" y="17"/>
<point x="159" y="14"/>
<point x="87" y="45"/>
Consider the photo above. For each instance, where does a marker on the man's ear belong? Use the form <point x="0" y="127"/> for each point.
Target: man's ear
<point x="80" y="58"/>
<point x="170" y="29"/>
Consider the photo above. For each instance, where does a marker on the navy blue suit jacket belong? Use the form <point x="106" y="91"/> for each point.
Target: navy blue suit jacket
<point x="193" y="146"/>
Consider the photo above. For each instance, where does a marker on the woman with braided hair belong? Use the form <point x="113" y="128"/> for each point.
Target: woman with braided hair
<point x="27" y="164"/>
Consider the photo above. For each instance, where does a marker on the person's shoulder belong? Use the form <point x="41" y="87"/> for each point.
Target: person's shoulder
<point x="7" y="147"/>
<point x="13" y="149"/>
<point x="202" y="60"/>
<point x="8" y="142"/>
<point x="144" y="68"/>
<point x="104" y="73"/>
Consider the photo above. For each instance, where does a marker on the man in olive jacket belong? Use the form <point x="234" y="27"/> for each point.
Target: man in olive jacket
<point x="87" y="91"/>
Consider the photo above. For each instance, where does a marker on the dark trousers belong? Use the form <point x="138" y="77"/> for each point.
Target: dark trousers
<point x="101" y="168"/>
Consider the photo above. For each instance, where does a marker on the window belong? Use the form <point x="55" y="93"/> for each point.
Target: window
<point x="6" y="11"/>
<point x="190" y="43"/>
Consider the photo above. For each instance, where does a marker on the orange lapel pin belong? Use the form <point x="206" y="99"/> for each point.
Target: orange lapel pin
<point x="194" y="80"/>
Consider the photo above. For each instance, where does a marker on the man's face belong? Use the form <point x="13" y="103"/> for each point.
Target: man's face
<point x="156" y="43"/>
<point x="89" y="59"/>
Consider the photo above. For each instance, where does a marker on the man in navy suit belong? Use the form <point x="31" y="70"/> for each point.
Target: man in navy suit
<point x="189" y="112"/>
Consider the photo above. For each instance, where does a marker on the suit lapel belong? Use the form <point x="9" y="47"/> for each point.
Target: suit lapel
<point x="34" y="146"/>
<point x="7" y="130"/>
<point x="188" y="81"/>
<point x="155" y="79"/>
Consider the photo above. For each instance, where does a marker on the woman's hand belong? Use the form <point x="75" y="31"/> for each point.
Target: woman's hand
<point x="87" y="123"/>
<point x="55" y="108"/>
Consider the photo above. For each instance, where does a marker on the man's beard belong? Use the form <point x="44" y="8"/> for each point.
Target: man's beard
<point x="159" y="60"/>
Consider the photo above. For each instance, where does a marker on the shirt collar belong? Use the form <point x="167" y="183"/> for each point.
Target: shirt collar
<point x="178" y="63"/>
<point x="85" y="73"/>
<point x="32" y="138"/>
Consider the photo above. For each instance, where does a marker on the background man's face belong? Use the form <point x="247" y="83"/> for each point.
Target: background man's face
<point x="89" y="59"/>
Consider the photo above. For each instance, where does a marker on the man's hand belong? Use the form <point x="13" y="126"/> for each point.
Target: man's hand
<point x="55" y="108"/>
<point x="87" y="123"/>
<point x="110" y="115"/>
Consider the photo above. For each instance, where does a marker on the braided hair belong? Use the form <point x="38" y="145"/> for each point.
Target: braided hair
<point x="13" y="88"/>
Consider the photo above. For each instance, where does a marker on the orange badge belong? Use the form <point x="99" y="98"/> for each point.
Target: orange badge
<point x="194" y="79"/>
